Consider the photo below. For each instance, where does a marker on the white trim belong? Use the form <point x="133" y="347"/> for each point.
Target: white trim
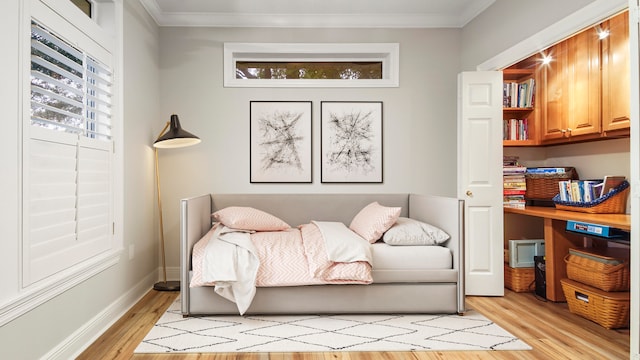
<point x="308" y="20"/>
<point x="83" y="337"/>
<point x="587" y="16"/>
<point x="37" y="295"/>
<point x="388" y="53"/>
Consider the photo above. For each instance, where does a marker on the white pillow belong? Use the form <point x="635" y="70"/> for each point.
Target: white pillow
<point x="248" y="218"/>
<point x="408" y="231"/>
<point x="373" y="220"/>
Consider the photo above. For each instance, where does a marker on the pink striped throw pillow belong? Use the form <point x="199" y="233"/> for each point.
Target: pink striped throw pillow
<point x="373" y="220"/>
<point x="248" y="218"/>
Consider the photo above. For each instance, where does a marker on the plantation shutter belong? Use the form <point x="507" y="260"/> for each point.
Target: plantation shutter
<point x="68" y="161"/>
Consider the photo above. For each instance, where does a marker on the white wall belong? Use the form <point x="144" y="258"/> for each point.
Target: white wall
<point x="62" y="326"/>
<point x="419" y="121"/>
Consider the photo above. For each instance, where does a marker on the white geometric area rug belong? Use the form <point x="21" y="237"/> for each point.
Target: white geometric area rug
<point x="326" y="333"/>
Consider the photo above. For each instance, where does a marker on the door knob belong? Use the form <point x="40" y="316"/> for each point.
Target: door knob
<point x="469" y="193"/>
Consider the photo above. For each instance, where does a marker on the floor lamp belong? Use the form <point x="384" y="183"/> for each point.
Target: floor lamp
<point x="171" y="136"/>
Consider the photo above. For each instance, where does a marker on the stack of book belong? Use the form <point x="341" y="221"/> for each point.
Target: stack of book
<point x="587" y="190"/>
<point x="514" y="183"/>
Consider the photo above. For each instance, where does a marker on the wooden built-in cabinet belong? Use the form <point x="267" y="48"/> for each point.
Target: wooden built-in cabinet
<point x="571" y="88"/>
<point x="616" y="75"/>
<point x="583" y="94"/>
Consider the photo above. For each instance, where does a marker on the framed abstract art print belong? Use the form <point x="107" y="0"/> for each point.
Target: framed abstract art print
<point x="280" y="142"/>
<point x="351" y="142"/>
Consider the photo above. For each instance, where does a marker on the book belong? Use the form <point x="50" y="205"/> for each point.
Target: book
<point x="610" y="182"/>
<point x="508" y="191"/>
<point x="589" y="191"/>
<point x="546" y="170"/>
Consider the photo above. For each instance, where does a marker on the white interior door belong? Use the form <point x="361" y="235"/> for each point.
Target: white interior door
<point x="480" y="179"/>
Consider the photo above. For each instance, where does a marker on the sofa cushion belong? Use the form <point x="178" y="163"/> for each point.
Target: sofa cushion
<point x="373" y="220"/>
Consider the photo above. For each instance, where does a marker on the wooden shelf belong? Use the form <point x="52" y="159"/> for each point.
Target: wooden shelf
<point x="512" y="75"/>
<point x="516" y="74"/>
<point x="525" y="109"/>
<point x="519" y="142"/>
<point x="620" y="221"/>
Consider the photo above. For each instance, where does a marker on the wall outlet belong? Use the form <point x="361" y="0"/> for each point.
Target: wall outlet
<point x="132" y="249"/>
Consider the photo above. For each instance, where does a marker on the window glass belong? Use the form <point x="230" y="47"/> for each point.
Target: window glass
<point x="308" y="70"/>
<point x="70" y="91"/>
<point x="84" y="5"/>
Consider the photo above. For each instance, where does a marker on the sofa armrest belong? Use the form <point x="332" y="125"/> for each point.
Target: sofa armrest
<point x="446" y="213"/>
<point x="195" y="221"/>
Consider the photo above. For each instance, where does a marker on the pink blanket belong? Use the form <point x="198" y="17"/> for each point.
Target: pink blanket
<point x="290" y="258"/>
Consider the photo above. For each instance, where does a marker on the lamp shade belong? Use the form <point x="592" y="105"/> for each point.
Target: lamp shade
<point x="175" y="136"/>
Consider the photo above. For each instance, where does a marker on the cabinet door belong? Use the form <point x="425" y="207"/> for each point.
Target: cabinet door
<point x="583" y="82"/>
<point x="615" y="74"/>
<point x="554" y="93"/>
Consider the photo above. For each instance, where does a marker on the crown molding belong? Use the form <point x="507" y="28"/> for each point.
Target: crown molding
<point x="398" y="20"/>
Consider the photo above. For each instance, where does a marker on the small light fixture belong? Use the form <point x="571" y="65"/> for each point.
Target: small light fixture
<point x="546" y="59"/>
<point x="175" y="136"/>
<point x="602" y="33"/>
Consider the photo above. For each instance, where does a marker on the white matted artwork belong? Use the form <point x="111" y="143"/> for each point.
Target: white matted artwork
<point x="351" y="142"/>
<point x="280" y="145"/>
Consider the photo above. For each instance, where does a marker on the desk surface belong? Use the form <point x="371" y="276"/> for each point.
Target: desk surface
<point x="620" y="221"/>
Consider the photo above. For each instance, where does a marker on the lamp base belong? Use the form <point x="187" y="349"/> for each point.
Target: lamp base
<point x="167" y="286"/>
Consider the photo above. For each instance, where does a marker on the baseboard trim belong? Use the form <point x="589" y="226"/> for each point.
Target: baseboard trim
<point x="82" y="338"/>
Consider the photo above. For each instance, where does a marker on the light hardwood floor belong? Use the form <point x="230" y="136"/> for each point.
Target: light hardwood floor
<point x="549" y="328"/>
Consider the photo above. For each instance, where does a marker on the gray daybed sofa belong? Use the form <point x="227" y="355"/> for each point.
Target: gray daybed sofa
<point x="395" y="288"/>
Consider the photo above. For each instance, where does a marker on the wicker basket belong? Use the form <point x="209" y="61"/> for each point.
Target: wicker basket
<point x="609" y="309"/>
<point x="607" y="271"/>
<point x="519" y="279"/>
<point x="545" y="186"/>
<point x="615" y="202"/>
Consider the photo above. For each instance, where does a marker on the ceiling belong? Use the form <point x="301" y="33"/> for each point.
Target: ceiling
<point x="316" y="13"/>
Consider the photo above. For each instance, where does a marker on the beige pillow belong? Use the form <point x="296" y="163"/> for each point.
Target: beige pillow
<point x="373" y="220"/>
<point x="408" y="231"/>
<point x="248" y="218"/>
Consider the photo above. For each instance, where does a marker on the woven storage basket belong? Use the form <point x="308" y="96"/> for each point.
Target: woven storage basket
<point x="615" y="202"/>
<point x="607" y="271"/>
<point x="519" y="279"/>
<point x="545" y="186"/>
<point x="609" y="309"/>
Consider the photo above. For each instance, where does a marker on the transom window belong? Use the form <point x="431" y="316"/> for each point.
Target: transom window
<point x="311" y="65"/>
<point x="349" y="70"/>
<point x="84" y="5"/>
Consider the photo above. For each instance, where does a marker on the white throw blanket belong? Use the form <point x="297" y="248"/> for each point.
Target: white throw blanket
<point x="343" y="245"/>
<point x="231" y="263"/>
